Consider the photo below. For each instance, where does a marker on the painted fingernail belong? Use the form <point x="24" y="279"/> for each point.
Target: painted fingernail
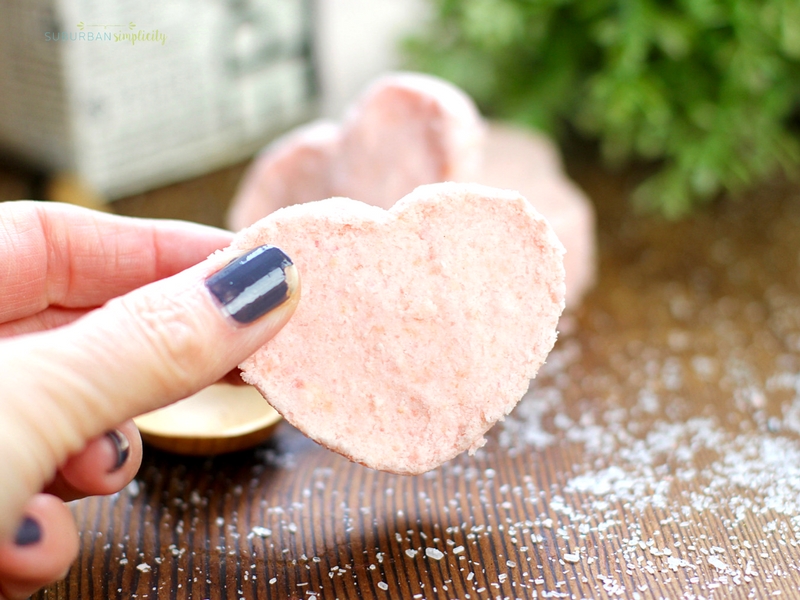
<point x="29" y="532"/>
<point x="122" y="448"/>
<point x="254" y="284"/>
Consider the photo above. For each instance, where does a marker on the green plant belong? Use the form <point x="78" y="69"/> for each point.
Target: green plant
<point x="707" y="87"/>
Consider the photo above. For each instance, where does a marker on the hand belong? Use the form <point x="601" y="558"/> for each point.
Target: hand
<point x="103" y="318"/>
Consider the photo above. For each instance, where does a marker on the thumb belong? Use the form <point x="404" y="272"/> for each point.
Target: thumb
<point x="141" y="351"/>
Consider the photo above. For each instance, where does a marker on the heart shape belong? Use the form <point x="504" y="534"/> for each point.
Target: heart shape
<point x="408" y="130"/>
<point x="418" y="327"/>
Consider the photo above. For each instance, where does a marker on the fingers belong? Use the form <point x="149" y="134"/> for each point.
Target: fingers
<point x="44" y="546"/>
<point x="141" y="351"/>
<point x="49" y="318"/>
<point x="57" y="254"/>
<point x="107" y="464"/>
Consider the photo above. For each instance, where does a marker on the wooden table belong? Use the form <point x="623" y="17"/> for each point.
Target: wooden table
<point x="656" y="456"/>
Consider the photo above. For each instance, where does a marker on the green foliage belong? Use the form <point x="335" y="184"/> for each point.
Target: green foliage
<point x="707" y="87"/>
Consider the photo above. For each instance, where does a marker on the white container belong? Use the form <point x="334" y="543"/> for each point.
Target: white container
<point x="357" y="40"/>
<point x="131" y="95"/>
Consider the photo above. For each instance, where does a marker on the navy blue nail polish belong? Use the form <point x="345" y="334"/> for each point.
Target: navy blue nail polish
<point x="253" y="284"/>
<point x="29" y="533"/>
<point x="122" y="448"/>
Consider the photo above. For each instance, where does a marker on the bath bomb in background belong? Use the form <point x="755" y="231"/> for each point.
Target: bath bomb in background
<point x="530" y="163"/>
<point x="407" y="130"/>
<point x="404" y="131"/>
<point x="294" y="169"/>
<point x="426" y="321"/>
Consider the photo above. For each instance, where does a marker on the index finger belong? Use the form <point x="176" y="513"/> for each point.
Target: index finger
<point x="61" y="255"/>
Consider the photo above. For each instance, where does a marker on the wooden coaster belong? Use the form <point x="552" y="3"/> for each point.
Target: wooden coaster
<point x="221" y="418"/>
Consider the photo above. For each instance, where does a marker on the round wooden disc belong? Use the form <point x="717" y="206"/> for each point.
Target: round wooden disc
<point x="221" y="418"/>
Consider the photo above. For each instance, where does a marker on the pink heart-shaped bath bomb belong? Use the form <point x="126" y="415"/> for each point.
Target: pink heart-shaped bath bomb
<point x="407" y="130"/>
<point x="418" y="327"/>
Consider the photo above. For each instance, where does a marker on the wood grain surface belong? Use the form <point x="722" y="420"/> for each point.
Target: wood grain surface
<point x="657" y="455"/>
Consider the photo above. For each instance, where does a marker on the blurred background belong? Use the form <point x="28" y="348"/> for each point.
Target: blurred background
<point x="105" y="101"/>
<point x="102" y="101"/>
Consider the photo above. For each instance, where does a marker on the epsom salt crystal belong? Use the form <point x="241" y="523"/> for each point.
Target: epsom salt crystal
<point x="262" y="532"/>
<point x="434" y="553"/>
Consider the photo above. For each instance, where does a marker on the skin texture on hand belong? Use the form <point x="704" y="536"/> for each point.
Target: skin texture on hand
<point x="102" y="318"/>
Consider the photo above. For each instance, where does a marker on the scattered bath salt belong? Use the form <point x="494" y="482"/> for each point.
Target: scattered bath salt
<point x="383" y="585"/>
<point x="717" y="563"/>
<point x="273" y="581"/>
<point x="410" y="552"/>
<point x="718" y="477"/>
<point x="143" y="567"/>
<point x="292" y="528"/>
<point x="674" y="563"/>
<point x="458" y="549"/>
<point x="433" y="553"/>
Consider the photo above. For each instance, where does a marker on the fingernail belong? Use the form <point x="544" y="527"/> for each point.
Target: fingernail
<point x="254" y="284"/>
<point x="29" y="533"/>
<point x="122" y="448"/>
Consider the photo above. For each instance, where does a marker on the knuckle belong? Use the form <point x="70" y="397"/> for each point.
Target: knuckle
<point x="169" y="332"/>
